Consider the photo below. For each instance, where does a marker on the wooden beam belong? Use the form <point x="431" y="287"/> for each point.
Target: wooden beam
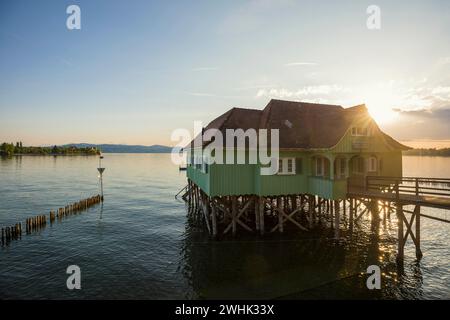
<point x="280" y="215"/>
<point x="285" y="217"/>
<point x="214" y="219"/>
<point x="351" y="214"/>
<point x="418" y="250"/>
<point x="310" y="211"/>
<point x="400" y="249"/>
<point x="261" y="215"/>
<point x="233" y="214"/>
<point x="205" y="209"/>
<point x="257" y="224"/>
<point x="336" y="219"/>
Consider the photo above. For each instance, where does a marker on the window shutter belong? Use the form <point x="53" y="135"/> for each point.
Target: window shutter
<point x="298" y="166"/>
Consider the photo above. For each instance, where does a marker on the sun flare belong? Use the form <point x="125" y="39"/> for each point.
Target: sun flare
<point x="380" y="104"/>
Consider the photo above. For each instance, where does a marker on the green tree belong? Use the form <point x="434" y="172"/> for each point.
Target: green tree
<point x="7" y="149"/>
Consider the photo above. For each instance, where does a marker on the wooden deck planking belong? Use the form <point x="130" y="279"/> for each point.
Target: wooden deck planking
<point x="422" y="200"/>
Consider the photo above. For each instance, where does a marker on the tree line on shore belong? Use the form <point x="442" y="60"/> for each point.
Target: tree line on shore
<point x="10" y="149"/>
<point x="444" y="152"/>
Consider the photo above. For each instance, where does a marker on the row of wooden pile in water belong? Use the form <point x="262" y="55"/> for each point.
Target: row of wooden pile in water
<point x="40" y="221"/>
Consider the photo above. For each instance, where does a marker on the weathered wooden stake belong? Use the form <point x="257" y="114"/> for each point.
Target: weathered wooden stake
<point x="261" y="215"/>
<point x="213" y="219"/>
<point x="418" y="250"/>
<point x="256" y="202"/>
<point x="233" y="214"/>
<point x="400" y="251"/>
<point x="351" y="213"/>
<point x="337" y="219"/>
<point x="280" y="215"/>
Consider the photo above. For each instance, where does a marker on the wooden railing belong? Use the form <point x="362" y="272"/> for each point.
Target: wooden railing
<point x="418" y="186"/>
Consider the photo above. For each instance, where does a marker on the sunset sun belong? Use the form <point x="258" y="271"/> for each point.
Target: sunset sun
<point x="380" y="104"/>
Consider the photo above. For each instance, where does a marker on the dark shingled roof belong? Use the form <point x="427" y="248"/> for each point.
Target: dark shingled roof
<point x="301" y="125"/>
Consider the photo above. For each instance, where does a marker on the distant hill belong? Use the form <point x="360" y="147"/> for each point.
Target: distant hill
<point x="124" y="148"/>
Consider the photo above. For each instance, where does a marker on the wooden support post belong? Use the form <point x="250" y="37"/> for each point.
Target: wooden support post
<point x="213" y="218"/>
<point x="309" y="214"/>
<point x="344" y="205"/>
<point x="351" y="214"/>
<point x="374" y="210"/>
<point x="418" y="250"/>
<point x="256" y="202"/>
<point x="233" y="214"/>
<point x="261" y="215"/>
<point x="205" y="209"/>
<point x="400" y="252"/>
<point x="337" y="219"/>
<point x="314" y="206"/>
<point x="319" y="202"/>
<point x="194" y="198"/>
<point x="331" y="210"/>
<point x="280" y="215"/>
<point x="189" y="193"/>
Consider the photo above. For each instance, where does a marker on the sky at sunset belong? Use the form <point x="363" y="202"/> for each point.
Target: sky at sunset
<point x="137" y="70"/>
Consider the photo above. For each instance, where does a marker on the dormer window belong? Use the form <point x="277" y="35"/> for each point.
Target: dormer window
<point x="360" y="131"/>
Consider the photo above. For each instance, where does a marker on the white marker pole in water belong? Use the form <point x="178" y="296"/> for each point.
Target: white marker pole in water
<point x="101" y="170"/>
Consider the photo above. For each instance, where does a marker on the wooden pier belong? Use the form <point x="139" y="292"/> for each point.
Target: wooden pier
<point x="378" y="196"/>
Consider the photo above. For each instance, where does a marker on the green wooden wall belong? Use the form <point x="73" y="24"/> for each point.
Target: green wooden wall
<point x="245" y="179"/>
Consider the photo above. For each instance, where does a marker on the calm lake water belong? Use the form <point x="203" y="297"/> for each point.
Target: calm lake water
<point x="138" y="244"/>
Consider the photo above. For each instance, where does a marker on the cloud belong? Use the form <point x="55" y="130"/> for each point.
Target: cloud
<point x="421" y="124"/>
<point x="426" y="98"/>
<point x="443" y="61"/>
<point x="296" y="64"/>
<point x="316" y="92"/>
<point x="439" y="114"/>
<point x="423" y="110"/>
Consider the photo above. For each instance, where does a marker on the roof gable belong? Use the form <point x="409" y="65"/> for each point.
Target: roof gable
<point x="301" y="125"/>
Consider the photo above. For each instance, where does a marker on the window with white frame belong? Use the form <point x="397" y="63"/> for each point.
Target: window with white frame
<point x="320" y="167"/>
<point x="372" y="164"/>
<point x="286" y="166"/>
<point x="360" y="131"/>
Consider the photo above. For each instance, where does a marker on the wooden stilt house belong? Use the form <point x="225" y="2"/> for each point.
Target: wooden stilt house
<point x="322" y="149"/>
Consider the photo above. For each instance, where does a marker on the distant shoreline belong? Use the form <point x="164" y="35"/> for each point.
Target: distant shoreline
<point x="52" y="155"/>
<point x="79" y="154"/>
<point x="444" y="152"/>
<point x="426" y="155"/>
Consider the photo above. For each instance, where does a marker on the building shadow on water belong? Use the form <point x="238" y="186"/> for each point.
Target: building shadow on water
<point x="307" y="265"/>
